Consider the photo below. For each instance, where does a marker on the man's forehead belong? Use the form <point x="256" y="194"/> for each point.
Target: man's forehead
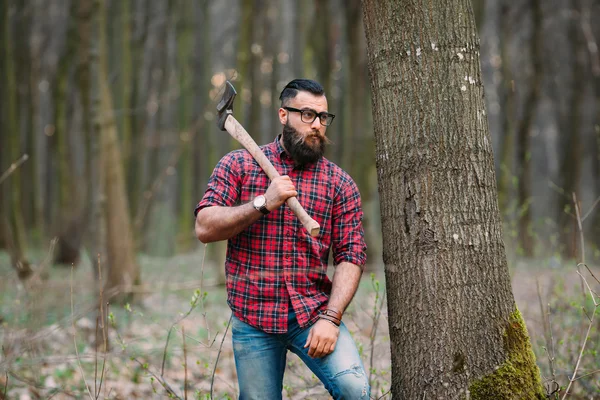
<point x="308" y="100"/>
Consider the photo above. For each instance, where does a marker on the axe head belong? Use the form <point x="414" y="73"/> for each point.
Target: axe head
<point x="225" y="106"/>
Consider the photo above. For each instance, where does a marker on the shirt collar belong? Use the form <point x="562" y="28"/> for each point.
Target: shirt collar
<point x="280" y="150"/>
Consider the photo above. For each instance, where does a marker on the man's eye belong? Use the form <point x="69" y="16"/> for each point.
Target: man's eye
<point x="309" y="114"/>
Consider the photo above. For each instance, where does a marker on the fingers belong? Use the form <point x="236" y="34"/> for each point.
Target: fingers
<point x="280" y="189"/>
<point x="322" y="339"/>
<point x="308" y="338"/>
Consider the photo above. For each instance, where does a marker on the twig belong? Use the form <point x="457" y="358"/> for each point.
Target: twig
<point x="185" y="379"/>
<point x="162" y="382"/>
<point x="580" y="227"/>
<point x="193" y="303"/>
<point x="587" y="335"/>
<point x="13" y="167"/>
<point x="212" y="379"/>
<point x="588" y="374"/>
<point x="103" y="324"/>
<point x="547" y="328"/>
<point x="584" y="281"/>
<point x="552" y="344"/>
<point x="75" y="341"/>
<point x="591" y="273"/>
<point x="590" y="289"/>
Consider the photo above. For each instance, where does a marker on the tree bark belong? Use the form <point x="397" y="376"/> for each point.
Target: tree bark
<point x="454" y="325"/>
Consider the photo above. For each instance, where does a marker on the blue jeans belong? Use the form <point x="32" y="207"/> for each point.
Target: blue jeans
<point x="260" y="362"/>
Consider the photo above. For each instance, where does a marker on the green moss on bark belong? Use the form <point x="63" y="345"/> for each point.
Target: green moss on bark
<point x="519" y="376"/>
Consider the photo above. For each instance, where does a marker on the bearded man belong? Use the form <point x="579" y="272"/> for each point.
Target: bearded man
<point x="277" y="283"/>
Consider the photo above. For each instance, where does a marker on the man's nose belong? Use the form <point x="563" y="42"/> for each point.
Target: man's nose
<point x="316" y="124"/>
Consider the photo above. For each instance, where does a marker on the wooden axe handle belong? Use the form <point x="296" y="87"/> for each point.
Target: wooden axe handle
<point x="236" y="130"/>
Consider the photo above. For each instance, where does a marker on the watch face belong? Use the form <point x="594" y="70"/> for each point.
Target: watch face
<point x="259" y="201"/>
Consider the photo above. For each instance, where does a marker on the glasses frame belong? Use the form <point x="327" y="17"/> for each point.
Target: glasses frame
<point x="317" y="115"/>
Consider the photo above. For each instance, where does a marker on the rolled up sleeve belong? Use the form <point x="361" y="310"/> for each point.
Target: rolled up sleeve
<point x="224" y="184"/>
<point x="348" y="233"/>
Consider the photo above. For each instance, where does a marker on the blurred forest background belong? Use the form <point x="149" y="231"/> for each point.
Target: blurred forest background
<point x="108" y="133"/>
<point x="163" y="63"/>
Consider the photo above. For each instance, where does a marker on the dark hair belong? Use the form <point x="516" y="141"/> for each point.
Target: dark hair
<point x="291" y="89"/>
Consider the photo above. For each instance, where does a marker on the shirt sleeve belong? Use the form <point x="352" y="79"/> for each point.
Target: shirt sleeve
<point x="348" y="233"/>
<point x="224" y="184"/>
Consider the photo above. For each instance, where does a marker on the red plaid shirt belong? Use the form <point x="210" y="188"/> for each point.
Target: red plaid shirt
<point x="275" y="262"/>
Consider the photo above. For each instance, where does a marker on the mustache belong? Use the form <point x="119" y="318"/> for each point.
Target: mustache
<point x="300" y="139"/>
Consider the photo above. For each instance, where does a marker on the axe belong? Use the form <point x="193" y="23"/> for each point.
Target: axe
<point x="227" y="122"/>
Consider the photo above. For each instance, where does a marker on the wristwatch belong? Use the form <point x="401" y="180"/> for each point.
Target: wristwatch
<point x="260" y="204"/>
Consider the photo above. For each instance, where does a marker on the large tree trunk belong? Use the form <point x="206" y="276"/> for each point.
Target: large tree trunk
<point x="123" y="270"/>
<point x="454" y="325"/>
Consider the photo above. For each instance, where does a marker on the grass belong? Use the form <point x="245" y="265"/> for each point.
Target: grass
<point x="38" y="346"/>
<point x="37" y="336"/>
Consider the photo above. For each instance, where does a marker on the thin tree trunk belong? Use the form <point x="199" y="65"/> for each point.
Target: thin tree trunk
<point x="70" y="228"/>
<point x="127" y="82"/>
<point x="508" y="111"/>
<point x="151" y="81"/>
<point x="455" y="331"/>
<point x="571" y="161"/>
<point x="244" y="70"/>
<point x="162" y="232"/>
<point x="11" y="217"/>
<point x="123" y="270"/>
<point x="526" y="238"/>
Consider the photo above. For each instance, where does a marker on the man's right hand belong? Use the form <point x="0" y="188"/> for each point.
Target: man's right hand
<point x="280" y="189"/>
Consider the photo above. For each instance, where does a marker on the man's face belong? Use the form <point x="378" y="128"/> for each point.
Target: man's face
<point x="305" y="142"/>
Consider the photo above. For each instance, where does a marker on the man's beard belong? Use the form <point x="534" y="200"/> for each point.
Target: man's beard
<point x="301" y="150"/>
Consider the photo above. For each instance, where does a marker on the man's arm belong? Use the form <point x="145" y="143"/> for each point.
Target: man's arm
<point x="220" y="223"/>
<point x="344" y="285"/>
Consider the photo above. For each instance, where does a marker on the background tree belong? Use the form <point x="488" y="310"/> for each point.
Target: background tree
<point x="123" y="270"/>
<point x="454" y="325"/>
<point x="11" y="214"/>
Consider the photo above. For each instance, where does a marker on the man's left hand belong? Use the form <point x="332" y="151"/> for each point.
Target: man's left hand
<point x="322" y="339"/>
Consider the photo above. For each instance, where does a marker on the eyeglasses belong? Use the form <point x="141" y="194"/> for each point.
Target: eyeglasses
<point x="309" y="116"/>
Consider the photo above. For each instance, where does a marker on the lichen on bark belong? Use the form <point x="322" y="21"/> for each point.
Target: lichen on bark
<point x="519" y="376"/>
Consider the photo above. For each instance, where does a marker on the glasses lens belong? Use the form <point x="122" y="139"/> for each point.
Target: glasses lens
<point x="326" y="119"/>
<point x="308" y="116"/>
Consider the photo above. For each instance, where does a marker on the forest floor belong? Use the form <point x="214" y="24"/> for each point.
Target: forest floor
<point x="46" y="353"/>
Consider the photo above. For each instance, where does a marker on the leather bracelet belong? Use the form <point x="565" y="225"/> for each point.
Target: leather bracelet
<point x="331" y="322"/>
<point x="334" y="321"/>
<point x="328" y="315"/>
<point x="332" y="313"/>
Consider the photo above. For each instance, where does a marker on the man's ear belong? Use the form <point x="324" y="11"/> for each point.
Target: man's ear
<point x="283" y="116"/>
